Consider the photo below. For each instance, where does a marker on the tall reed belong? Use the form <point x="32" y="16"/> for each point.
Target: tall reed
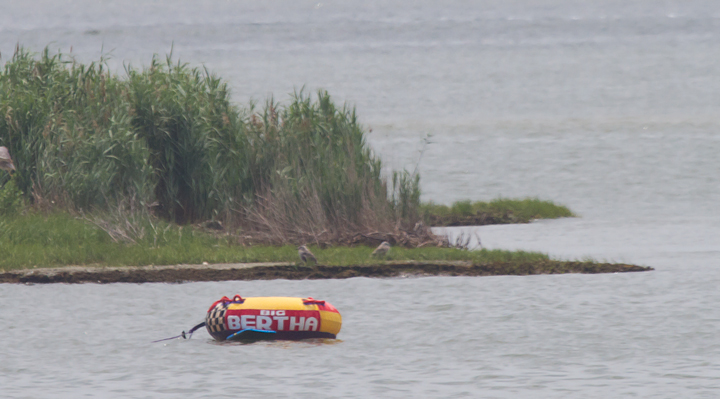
<point x="67" y="127"/>
<point x="168" y="137"/>
<point x="194" y="136"/>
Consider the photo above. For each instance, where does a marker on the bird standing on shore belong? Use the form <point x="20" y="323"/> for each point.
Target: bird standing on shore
<point x="305" y="254"/>
<point x="381" y="250"/>
<point x="6" y="162"/>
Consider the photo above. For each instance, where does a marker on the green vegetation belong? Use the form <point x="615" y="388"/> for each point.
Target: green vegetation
<point x="169" y="139"/>
<point x="59" y="239"/>
<point x="499" y="211"/>
<point x="122" y="170"/>
<point x="11" y="199"/>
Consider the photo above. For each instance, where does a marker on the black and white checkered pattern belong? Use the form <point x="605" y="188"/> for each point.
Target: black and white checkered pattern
<point x="215" y="320"/>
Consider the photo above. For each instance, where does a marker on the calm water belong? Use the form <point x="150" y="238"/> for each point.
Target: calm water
<point x="609" y="107"/>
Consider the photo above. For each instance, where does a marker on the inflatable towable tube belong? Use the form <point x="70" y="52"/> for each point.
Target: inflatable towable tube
<point x="272" y="318"/>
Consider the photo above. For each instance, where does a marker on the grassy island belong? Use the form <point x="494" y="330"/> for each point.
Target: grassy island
<point x="60" y="239"/>
<point x="47" y="248"/>
<point x="499" y="211"/>
<point x="159" y="167"/>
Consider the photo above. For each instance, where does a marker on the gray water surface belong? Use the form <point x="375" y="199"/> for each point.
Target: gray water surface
<point x="642" y="334"/>
<point x="608" y="107"/>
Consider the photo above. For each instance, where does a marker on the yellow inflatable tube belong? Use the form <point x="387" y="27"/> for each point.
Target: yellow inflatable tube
<point x="272" y="318"/>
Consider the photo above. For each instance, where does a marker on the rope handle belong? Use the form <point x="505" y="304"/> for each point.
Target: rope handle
<point x="312" y="301"/>
<point x="184" y="335"/>
<point x="236" y="299"/>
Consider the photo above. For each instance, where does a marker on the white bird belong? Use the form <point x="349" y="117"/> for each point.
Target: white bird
<point x="6" y="162"/>
<point x="305" y="254"/>
<point x="382" y="249"/>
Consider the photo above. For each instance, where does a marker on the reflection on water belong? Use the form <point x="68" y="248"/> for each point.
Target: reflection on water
<point x="282" y="344"/>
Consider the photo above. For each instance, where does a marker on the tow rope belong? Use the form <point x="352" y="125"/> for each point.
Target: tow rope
<point x="184" y="335"/>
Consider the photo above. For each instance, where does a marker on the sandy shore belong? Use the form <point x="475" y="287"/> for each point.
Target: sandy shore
<point x="290" y="271"/>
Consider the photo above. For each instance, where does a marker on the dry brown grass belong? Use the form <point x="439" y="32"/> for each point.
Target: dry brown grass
<point x="277" y="218"/>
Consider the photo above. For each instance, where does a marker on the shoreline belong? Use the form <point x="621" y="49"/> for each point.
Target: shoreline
<point x="290" y="271"/>
<point x="497" y="211"/>
<point x="482" y="219"/>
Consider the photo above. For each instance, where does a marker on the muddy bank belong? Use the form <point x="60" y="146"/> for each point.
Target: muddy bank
<point x="270" y="271"/>
<point x="479" y="219"/>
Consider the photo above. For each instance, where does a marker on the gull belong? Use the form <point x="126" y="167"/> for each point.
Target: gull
<point x="382" y="249"/>
<point x="305" y="254"/>
<point x="6" y="162"/>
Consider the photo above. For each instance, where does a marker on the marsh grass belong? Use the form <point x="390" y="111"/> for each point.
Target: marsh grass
<point x="11" y="199"/>
<point x="498" y="211"/>
<point x="147" y="155"/>
<point x="169" y="139"/>
<point x="59" y="239"/>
